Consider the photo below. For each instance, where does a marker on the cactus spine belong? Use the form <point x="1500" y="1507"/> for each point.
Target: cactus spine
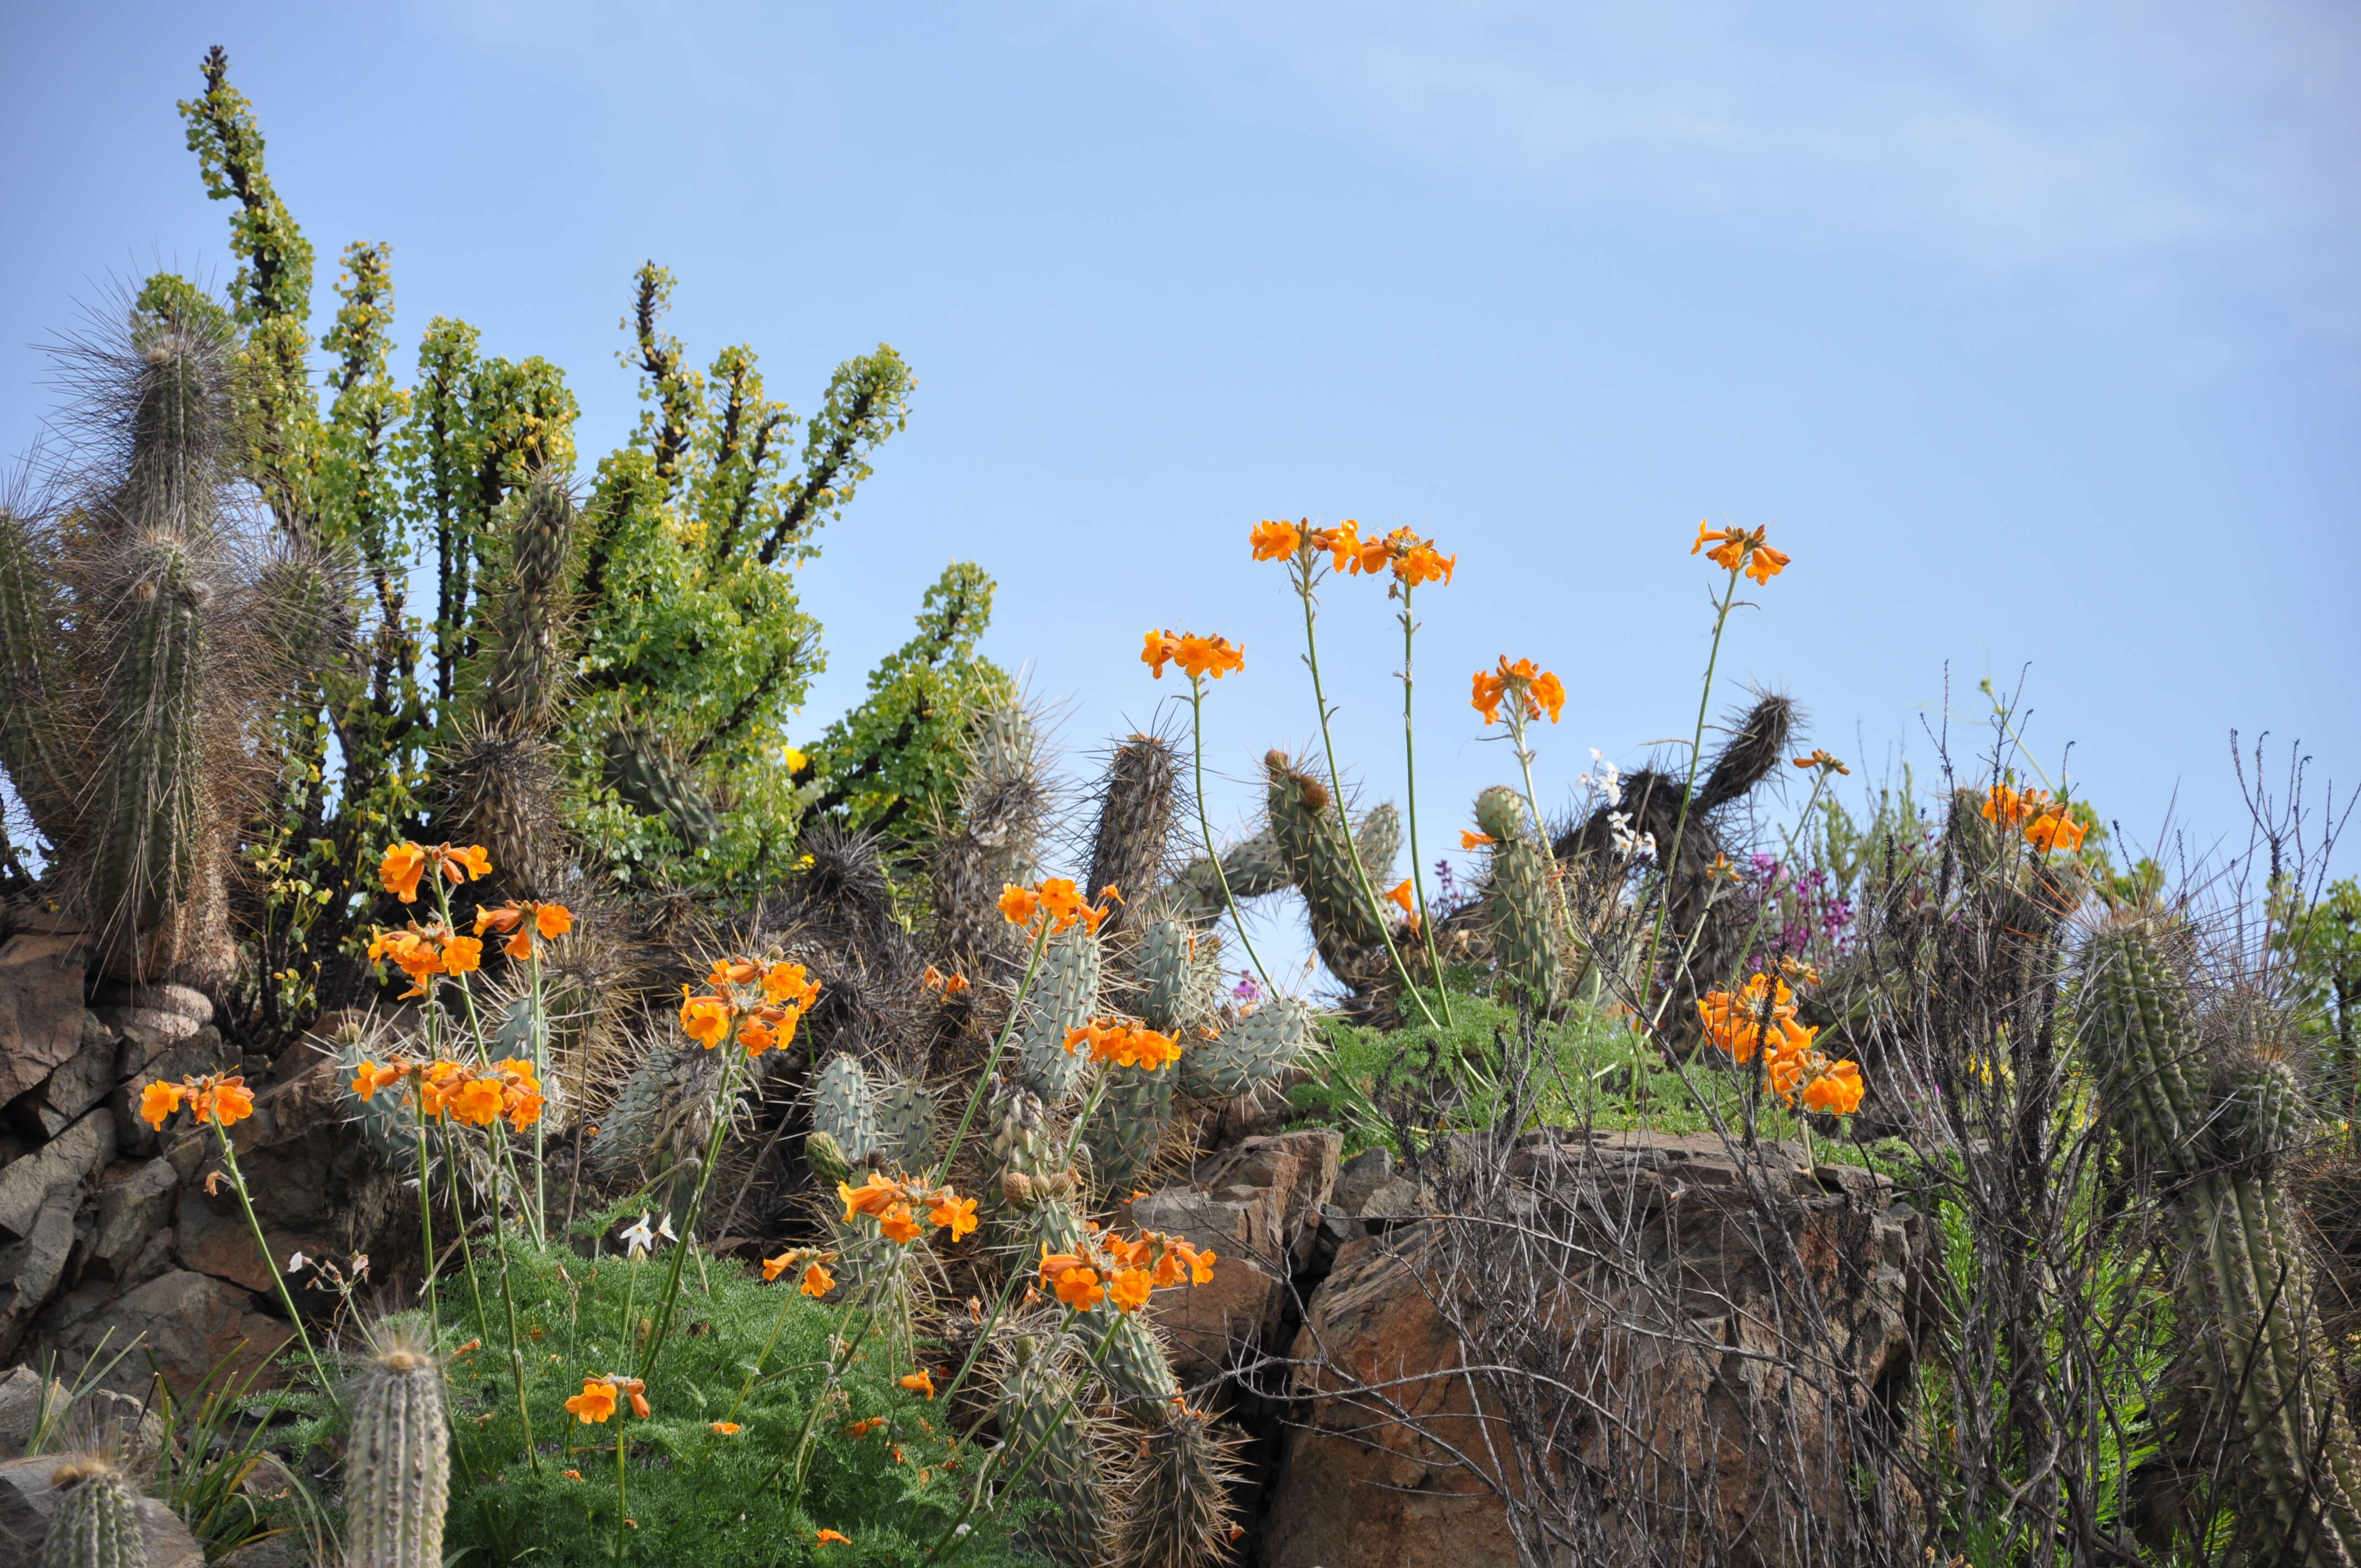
<point x="1065" y="993"/>
<point x="1036" y="1413"/>
<point x="1002" y="803"/>
<point x="841" y="1109"/>
<point x="1250" y="1053"/>
<point x="1522" y="900"/>
<point x="397" y="1462"/>
<point x="2248" y="1285"/>
<point x="1135" y="810"/>
<point x="96" y="1524"/>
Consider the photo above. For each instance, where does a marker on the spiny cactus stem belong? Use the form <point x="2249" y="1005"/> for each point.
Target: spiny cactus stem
<point x="1016" y="1279"/>
<point x="1410" y="763"/>
<point x="992" y="1062"/>
<point x="987" y="1473"/>
<point x="1302" y="569"/>
<point x="1668" y="858"/>
<point x="1197" y="760"/>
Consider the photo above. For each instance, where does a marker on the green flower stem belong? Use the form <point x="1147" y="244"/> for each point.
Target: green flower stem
<point x="426" y="1208"/>
<point x="755" y="1372"/>
<point x="992" y="1062"/>
<point x="1197" y="758"/>
<point x="721" y="1106"/>
<point x="508" y="1303"/>
<point x="1303" y="570"/>
<point x="1666" y="859"/>
<point x="842" y="1352"/>
<point x="538" y="1036"/>
<point x="1017" y="1277"/>
<point x="621" y="1447"/>
<point x="985" y="1472"/>
<point x="286" y="1297"/>
<point x="1410" y="764"/>
<point x="459" y="1221"/>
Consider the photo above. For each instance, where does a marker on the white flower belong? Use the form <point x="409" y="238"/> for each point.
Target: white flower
<point x="638" y="1238"/>
<point x="1607" y="781"/>
<point x="1642" y="845"/>
<point x="296" y="1262"/>
<point x="664" y="1229"/>
<point x="360" y="1263"/>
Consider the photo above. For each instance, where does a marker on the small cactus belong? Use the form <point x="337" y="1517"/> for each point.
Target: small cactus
<point x="1253" y="867"/>
<point x="1065" y="994"/>
<point x="1179" y="974"/>
<point x="843" y="1110"/>
<point x="1250" y="1053"/>
<point x="1128" y="1127"/>
<point x="906" y="1125"/>
<point x="1042" y="1419"/>
<point x="97" y="1523"/>
<point x="527" y="674"/>
<point x="398" y="1458"/>
<point x="1522" y="901"/>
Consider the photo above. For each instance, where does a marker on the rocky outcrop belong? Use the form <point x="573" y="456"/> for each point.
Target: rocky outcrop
<point x="1726" y="1334"/>
<point x="1253" y="1204"/>
<point x="108" y="1228"/>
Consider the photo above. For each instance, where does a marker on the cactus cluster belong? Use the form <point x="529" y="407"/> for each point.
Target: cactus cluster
<point x="2217" y="1132"/>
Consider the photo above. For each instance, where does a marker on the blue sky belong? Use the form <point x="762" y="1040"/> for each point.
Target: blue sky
<point x="2032" y="335"/>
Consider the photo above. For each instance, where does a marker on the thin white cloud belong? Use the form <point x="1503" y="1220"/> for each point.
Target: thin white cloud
<point x="2006" y="131"/>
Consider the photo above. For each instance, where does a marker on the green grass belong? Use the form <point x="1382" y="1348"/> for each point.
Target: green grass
<point x="695" y="1496"/>
<point x="1598" y="1073"/>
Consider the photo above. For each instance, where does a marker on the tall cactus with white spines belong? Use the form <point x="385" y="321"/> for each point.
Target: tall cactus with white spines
<point x="398" y="1458"/>
<point x="1004" y="803"/>
<point x="96" y="1524"/>
<point x="1522" y="899"/>
<point x="1137" y="800"/>
<point x="2217" y="1137"/>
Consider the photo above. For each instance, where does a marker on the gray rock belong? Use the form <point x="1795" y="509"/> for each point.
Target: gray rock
<point x="79" y="1082"/>
<point x="1362" y="1175"/>
<point x="41" y="1008"/>
<point x="20" y="1408"/>
<point x="77" y="1154"/>
<point x="283" y="1550"/>
<point x="134" y="1204"/>
<point x="28" y="1501"/>
<point x="30" y="1269"/>
<point x="190" y="1323"/>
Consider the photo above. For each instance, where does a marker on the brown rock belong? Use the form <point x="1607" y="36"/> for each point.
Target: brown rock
<point x="1697" y="1425"/>
<point x="1251" y="1204"/>
<point x="27" y="1503"/>
<point x="41" y="1008"/>
<point x="191" y="1322"/>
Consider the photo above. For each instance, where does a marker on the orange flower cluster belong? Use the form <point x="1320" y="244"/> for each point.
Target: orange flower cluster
<point x="1410" y="559"/>
<point x="1197" y="655"/>
<point x="1127" y="1273"/>
<point x="216" y="1097"/>
<point x="1275" y="541"/>
<point x="816" y="1280"/>
<point x="1533" y="690"/>
<point x="1056" y="898"/>
<point x="597" y="1400"/>
<point x="425" y="952"/>
<point x="2044" y="820"/>
<point x="1119" y="1045"/>
<point x="521" y="922"/>
<point x="898" y="1207"/>
<point x="948" y="984"/>
<point x="764" y="1002"/>
<point x="476" y="1096"/>
<point x="1738" y="548"/>
<point x="404" y="863"/>
<point x="1761" y="1016"/>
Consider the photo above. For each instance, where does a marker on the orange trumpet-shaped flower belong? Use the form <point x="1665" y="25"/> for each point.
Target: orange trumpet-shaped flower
<point x="877" y="1193"/>
<point x="1128" y="1288"/>
<point x="899" y="1225"/>
<point x="1836" y="1091"/>
<point x="399" y="870"/>
<point x="1735" y="548"/>
<point x="918" y="1382"/>
<point x="727" y="1428"/>
<point x="1343" y="542"/>
<point x="1201" y="655"/>
<point x="785" y="983"/>
<point x="1736" y="1023"/>
<point x="830" y="1538"/>
<point x="1080" y="1289"/>
<point x="704" y="1019"/>
<point x="818" y="1281"/>
<point x="2054" y="830"/>
<point x="1401" y="895"/>
<point x="1536" y="692"/>
<point x="157" y="1102"/>
<point x="952" y="1213"/>
<point x="464" y="864"/>
<point x="1823" y="760"/>
<point x="775" y="1266"/>
<point x="1018" y="905"/>
<point x="1275" y="541"/>
<point x="595" y="1403"/>
<point x="1468" y="841"/>
<point x="1161" y="648"/>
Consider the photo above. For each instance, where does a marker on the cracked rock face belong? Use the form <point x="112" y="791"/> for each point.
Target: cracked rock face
<point x="1720" y="1336"/>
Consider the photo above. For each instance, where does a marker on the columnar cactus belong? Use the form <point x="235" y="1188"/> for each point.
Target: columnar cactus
<point x="527" y="674"/>
<point x="397" y="1460"/>
<point x="1002" y="803"/>
<point x="906" y="1125"/>
<point x="1306" y="822"/>
<point x="1522" y="901"/>
<point x="1134" y="828"/>
<point x="1040" y="1417"/>
<point x="96" y="1524"/>
<point x="2249" y="1304"/>
<point x="644" y="776"/>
